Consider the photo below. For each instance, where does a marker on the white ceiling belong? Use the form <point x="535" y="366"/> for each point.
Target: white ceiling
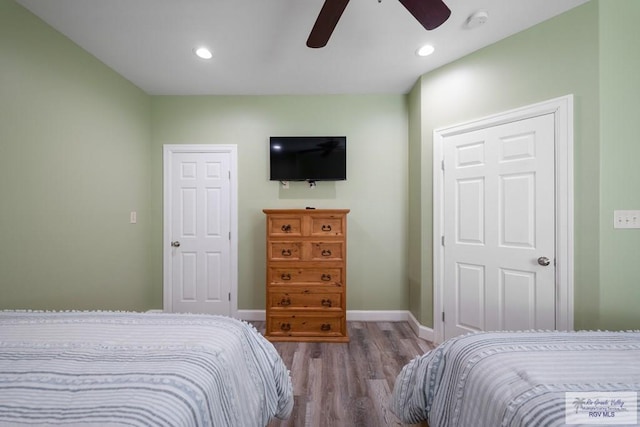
<point x="259" y="45"/>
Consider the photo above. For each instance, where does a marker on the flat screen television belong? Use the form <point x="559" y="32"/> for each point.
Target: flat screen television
<point x="308" y="158"/>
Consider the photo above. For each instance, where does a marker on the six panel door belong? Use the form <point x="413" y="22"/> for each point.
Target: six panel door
<point x="200" y="227"/>
<point x="499" y="228"/>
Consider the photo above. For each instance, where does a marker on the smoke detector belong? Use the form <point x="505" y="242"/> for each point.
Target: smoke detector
<point x="476" y="19"/>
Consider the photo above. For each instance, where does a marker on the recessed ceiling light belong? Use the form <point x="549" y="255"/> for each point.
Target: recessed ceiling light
<point x="203" y="52"/>
<point x="425" y="50"/>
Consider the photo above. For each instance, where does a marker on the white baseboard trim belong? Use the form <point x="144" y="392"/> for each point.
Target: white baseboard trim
<point x="352" y="315"/>
<point x="377" y="315"/>
<point x="359" y="316"/>
<point x="421" y="331"/>
<point x="251" y="315"/>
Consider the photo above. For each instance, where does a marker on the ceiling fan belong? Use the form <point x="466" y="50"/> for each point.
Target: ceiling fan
<point x="430" y="13"/>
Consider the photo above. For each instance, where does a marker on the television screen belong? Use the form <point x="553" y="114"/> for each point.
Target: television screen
<point x="308" y="158"/>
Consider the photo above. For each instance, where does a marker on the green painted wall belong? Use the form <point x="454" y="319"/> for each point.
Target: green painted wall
<point x="80" y="147"/>
<point x="375" y="189"/>
<point x="619" y="172"/>
<point x="415" y="251"/>
<point x="74" y="161"/>
<point x="544" y="62"/>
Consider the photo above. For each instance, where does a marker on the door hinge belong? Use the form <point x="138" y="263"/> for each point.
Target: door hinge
<point x="229" y="296"/>
<point x="442" y="165"/>
<point x="229" y="235"/>
<point x="443" y="317"/>
<point x="229" y="174"/>
<point x="442" y="240"/>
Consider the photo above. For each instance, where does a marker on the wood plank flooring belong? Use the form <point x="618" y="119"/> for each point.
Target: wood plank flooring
<point x="337" y="385"/>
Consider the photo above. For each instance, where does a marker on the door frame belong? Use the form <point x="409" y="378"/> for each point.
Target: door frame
<point x="562" y="109"/>
<point x="168" y="151"/>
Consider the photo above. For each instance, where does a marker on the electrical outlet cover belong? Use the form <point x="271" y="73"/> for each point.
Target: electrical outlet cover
<point x="626" y="219"/>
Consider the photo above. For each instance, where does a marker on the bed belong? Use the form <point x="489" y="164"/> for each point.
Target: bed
<point x="516" y="378"/>
<point x="135" y="369"/>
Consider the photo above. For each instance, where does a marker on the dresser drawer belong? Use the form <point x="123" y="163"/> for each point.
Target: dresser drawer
<point x="320" y="276"/>
<point x="281" y="250"/>
<point x="305" y="298"/>
<point x="326" y="225"/>
<point x="326" y="251"/>
<point x="284" y="251"/>
<point x="305" y="325"/>
<point x="285" y="225"/>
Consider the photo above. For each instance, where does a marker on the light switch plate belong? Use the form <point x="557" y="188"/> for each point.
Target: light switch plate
<point x="133" y="217"/>
<point x="626" y="219"/>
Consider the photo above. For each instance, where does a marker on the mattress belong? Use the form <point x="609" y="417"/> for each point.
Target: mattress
<point x="135" y="369"/>
<point x="514" y="378"/>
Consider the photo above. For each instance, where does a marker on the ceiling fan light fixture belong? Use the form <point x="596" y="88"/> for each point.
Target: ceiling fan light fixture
<point x="203" y="52"/>
<point x="425" y="50"/>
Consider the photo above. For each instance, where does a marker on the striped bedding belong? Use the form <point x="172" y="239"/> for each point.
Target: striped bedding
<point x="513" y="378"/>
<point x="138" y="369"/>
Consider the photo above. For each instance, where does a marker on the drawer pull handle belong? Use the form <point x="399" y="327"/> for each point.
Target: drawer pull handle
<point x="325" y="277"/>
<point x="326" y="303"/>
<point x="285" y="276"/>
<point x="326" y="252"/>
<point x="285" y="302"/>
<point x="325" y="327"/>
<point x="286" y="228"/>
<point x="326" y="227"/>
<point x="286" y="252"/>
<point x="285" y="327"/>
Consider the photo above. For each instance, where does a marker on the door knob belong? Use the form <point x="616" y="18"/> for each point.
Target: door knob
<point x="544" y="261"/>
<point x="175" y="244"/>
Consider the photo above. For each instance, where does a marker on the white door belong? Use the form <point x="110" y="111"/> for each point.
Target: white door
<point x="499" y="228"/>
<point x="199" y="264"/>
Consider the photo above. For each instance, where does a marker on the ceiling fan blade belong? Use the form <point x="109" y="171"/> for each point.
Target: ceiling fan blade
<point x="325" y="23"/>
<point x="430" y="13"/>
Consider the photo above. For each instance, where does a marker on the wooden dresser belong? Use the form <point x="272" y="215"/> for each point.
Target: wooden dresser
<point x="306" y="274"/>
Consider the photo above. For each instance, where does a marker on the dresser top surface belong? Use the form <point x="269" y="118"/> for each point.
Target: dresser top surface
<point x="301" y="211"/>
